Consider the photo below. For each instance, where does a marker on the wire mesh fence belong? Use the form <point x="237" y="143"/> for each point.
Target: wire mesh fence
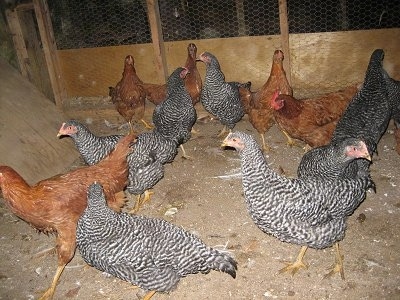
<point x="96" y="23"/>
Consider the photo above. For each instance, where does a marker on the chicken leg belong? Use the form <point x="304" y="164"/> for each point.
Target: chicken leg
<point x="149" y="295"/>
<point x="297" y="264"/>
<point x="50" y="291"/>
<point x="265" y="147"/>
<point x="338" y="266"/>
<point x="139" y="201"/>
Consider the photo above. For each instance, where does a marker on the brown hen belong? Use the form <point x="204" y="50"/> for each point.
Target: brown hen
<point x="156" y="93"/>
<point x="257" y="104"/>
<point x="311" y="120"/>
<point x="54" y="205"/>
<point x="128" y="96"/>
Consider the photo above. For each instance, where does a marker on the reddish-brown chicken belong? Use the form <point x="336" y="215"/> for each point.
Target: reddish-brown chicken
<point x="257" y="104"/>
<point x="311" y="120"/>
<point x="156" y="93"/>
<point x="129" y="96"/>
<point x="54" y="205"/>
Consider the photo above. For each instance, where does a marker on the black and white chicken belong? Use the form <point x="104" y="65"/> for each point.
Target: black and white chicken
<point x="148" y="252"/>
<point x="218" y="97"/>
<point x="307" y="212"/>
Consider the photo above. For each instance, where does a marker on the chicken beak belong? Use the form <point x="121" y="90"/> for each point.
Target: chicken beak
<point x="368" y="157"/>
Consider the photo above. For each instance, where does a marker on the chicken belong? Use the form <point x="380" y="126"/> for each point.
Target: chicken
<point x="145" y="162"/>
<point x="91" y="147"/>
<point x="128" y="96"/>
<point x="176" y="115"/>
<point x="218" y="97"/>
<point x="368" y="113"/>
<point x="150" y="253"/>
<point x="306" y="212"/>
<point x="311" y="120"/>
<point x="258" y="104"/>
<point x="156" y="93"/>
<point x="54" y="205"/>
<point x="193" y="82"/>
<point x="331" y="161"/>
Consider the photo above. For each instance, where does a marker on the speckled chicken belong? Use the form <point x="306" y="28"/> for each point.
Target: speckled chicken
<point x="150" y="253"/>
<point x="145" y="163"/>
<point x="218" y="97"/>
<point x="91" y="147"/>
<point x="128" y="96"/>
<point x="306" y="212"/>
<point x="331" y="161"/>
<point x="176" y="115"/>
<point x="369" y="112"/>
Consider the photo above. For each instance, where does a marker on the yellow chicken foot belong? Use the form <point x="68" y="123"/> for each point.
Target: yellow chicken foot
<point x="139" y="201"/>
<point x="338" y="266"/>
<point x="184" y="155"/>
<point x="50" y="291"/>
<point x="265" y="147"/>
<point x="147" y="125"/>
<point x="298" y="264"/>
<point x="290" y="142"/>
<point x="223" y="131"/>
<point x="149" y="295"/>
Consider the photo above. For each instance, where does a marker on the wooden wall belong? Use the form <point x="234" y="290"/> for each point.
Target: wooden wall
<point x="319" y="61"/>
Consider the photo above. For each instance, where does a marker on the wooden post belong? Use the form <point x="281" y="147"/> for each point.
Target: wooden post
<point x="283" y="21"/>
<point x="153" y="13"/>
<point x="50" y="51"/>
<point x="19" y="43"/>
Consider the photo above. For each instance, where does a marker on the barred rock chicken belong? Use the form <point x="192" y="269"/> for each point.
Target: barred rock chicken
<point x="150" y="253"/>
<point x="145" y="162"/>
<point x="176" y="115"/>
<point x="92" y="148"/>
<point x="306" y="212"/>
<point x="128" y="96"/>
<point x="258" y="104"/>
<point x="311" y="120"/>
<point x="54" y="205"/>
<point x="331" y="161"/>
<point x="156" y="93"/>
<point x="368" y="113"/>
<point x="218" y="97"/>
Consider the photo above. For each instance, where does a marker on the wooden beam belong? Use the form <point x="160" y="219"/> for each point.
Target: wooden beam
<point x="19" y="42"/>
<point x="50" y="51"/>
<point x="153" y="14"/>
<point x="283" y="21"/>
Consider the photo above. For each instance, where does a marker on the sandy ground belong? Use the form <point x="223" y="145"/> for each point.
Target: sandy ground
<point x="207" y="195"/>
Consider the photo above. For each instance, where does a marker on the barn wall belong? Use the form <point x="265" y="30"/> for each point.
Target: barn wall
<point x="319" y="61"/>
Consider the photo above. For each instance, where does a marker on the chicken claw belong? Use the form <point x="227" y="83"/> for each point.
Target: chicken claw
<point x="338" y="266"/>
<point x="139" y="201"/>
<point x="297" y="264"/>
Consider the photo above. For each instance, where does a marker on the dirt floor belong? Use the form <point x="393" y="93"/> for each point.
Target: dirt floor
<point x="204" y="196"/>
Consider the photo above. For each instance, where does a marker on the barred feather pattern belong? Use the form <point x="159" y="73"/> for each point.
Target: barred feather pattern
<point x="176" y="115"/>
<point x="218" y="97"/>
<point x="368" y="114"/>
<point x="329" y="162"/>
<point x="150" y="253"/>
<point x="309" y="212"/>
<point x="92" y="148"/>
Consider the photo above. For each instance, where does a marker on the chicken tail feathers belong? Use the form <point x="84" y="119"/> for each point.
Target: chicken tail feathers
<point x="223" y="262"/>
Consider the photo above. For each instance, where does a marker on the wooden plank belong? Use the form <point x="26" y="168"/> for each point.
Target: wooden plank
<point x="29" y="123"/>
<point x="319" y="61"/>
<point x="49" y="48"/>
<point x="19" y="43"/>
<point x="157" y="38"/>
<point x="327" y="61"/>
<point x="284" y="26"/>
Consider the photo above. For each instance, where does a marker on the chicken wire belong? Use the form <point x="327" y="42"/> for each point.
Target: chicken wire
<point x="97" y="23"/>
